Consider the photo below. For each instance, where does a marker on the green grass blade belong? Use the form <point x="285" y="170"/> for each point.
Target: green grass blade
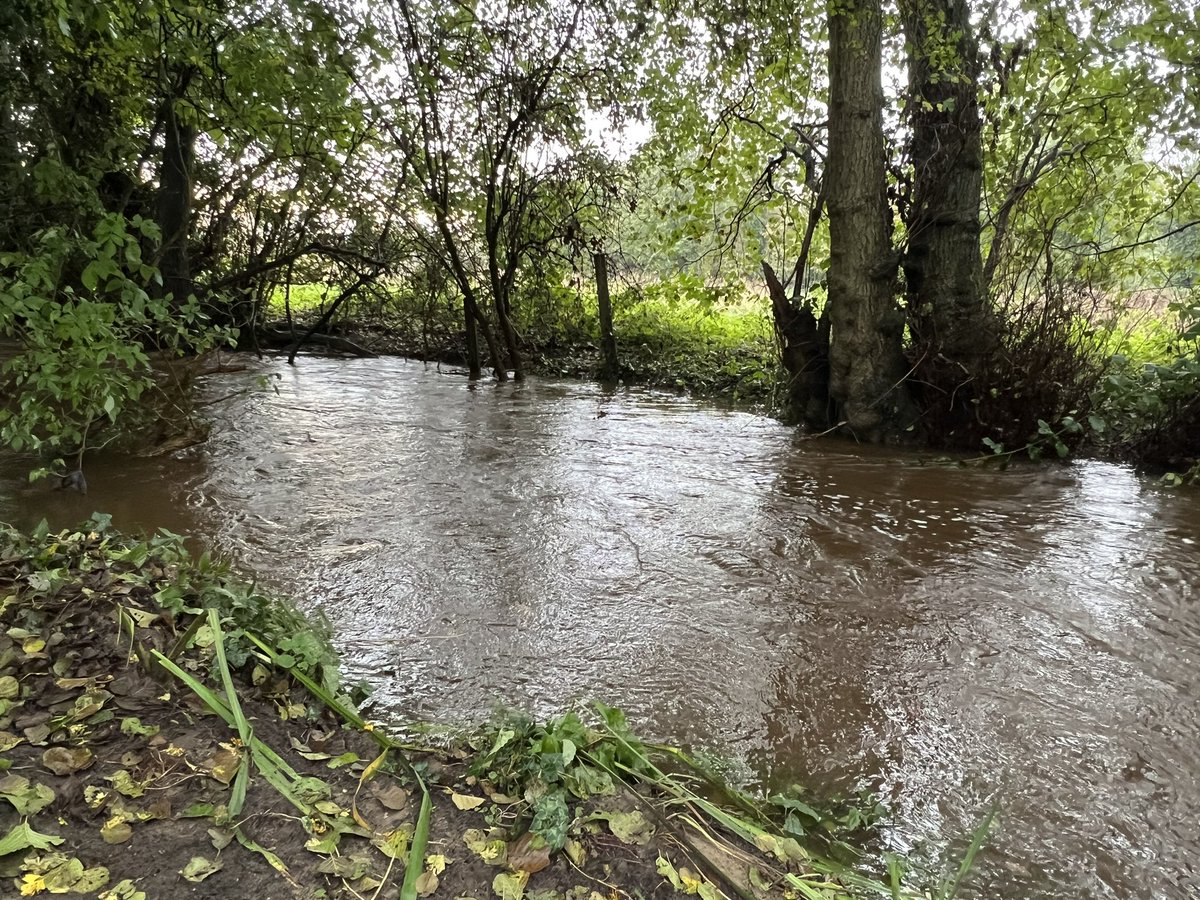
<point x="245" y="731"/>
<point x="278" y="773"/>
<point x="416" y="851"/>
<point x="949" y="891"/>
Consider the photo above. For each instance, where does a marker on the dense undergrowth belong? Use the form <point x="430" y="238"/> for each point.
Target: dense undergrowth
<point x="1068" y="380"/>
<point x="678" y="334"/>
<point x="149" y="693"/>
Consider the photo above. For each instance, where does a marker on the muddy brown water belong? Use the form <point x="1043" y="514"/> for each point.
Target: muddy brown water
<point x="811" y="611"/>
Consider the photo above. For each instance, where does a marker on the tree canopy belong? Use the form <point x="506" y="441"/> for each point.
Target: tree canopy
<point x="948" y="199"/>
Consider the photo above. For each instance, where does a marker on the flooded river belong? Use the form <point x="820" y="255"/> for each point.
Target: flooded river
<point x="820" y="613"/>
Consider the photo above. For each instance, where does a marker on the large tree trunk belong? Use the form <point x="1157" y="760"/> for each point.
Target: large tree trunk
<point x="867" y="366"/>
<point x="175" y="204"/>
<point x="943" y="267"/>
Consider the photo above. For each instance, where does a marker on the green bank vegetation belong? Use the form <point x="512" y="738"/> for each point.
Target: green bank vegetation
<point x="148" y="698"/>
<point x="951" y="257"/>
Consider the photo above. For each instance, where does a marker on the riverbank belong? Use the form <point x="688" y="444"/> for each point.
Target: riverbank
<point x="164" y="728"/>
<point x="689" y="343"/>
<point x="1136" y="404"/>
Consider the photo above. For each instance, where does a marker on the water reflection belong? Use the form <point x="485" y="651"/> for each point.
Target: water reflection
<point x="840" y="616"/>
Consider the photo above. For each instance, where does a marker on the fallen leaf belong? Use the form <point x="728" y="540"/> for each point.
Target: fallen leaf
<point x="491" y="849"/>
<point x="529" y="853"/>
<point x="32" y="883"/>
<point x="394" y="844"/>
<point x="575" y="852"/>
<point x="22" y="837"/>
<point x="10" y="688"/>
<point x="62" y="874"/>
<point x="8" y="740"/>
<point x="94" y="796"/>
<point x="123" y="783"/>
<point x="116" y="830"/>
<point x="37" y="734"/>
<point x="143" y="618"/>
<point x="629" y="827"/>
<point x="89" y="704"/>
<point x="393" y="796"/>
<point x="224" y="765"/>
<point x="436" y="863"/>
<point x="33" y="645"/>
<point x="465" y="801"/>
<point x="198" y="811"/>
<point x="123" y="890"/>
<point x="91" y="880"/>
<point x="133" y="725"/>
<point x="221" y="837"/>
<point x="67" y="760"/>
<point x="427" y="883"/>
<point x="349" y="867"/>
<point x="199" y="868"/>
<point x="27" y="798"/>
<point x="70" y="683"/>
<point x="509" y="886"/>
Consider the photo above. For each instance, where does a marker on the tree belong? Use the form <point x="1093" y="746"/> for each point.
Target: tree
<point x="867" y="365"/>
<point x="952" y="330"/>
<point x="486" y="113"/>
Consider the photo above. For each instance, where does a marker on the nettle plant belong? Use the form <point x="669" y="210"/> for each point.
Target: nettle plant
<point x="81" y="309"/>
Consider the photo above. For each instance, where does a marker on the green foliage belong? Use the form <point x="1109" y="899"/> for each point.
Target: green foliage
<point x="81" y="309"/>
<point x="1150" y="397"/>
<point x="177" y="582"/>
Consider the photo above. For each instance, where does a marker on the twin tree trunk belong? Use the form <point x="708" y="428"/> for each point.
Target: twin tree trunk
<point x="954" y="338"/>
<point x="867" y="367"/>
<point x="870" y="391"/>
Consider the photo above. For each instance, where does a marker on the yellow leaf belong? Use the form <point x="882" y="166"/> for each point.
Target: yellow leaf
<point x="32" y="884"/>
<point x="465" y="801"/>
<point x="436" y="863"/>
<point x="367" y="775"/>
<point x="116" y="830"/>
<point x="393" y="844"/>
<point x="691" y="881"/>
<point x="369" y="771"/>
<point x="33" y="645"/>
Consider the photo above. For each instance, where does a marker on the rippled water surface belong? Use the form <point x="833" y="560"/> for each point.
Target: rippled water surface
<point x="818" y="612"/>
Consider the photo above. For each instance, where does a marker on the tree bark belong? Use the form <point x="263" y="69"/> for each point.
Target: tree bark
<point x="804" y="352"/>
<point x="943" y="266"/>
<point x="608" y="339"/>
<point x="474" y="369"/>
<point x="867" y="366"/>
<point x="175" y="205"/>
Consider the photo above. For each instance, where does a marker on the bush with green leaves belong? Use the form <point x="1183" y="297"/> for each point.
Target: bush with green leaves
<point x="83" y="310"/>
<point x="1152" y="405"/>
